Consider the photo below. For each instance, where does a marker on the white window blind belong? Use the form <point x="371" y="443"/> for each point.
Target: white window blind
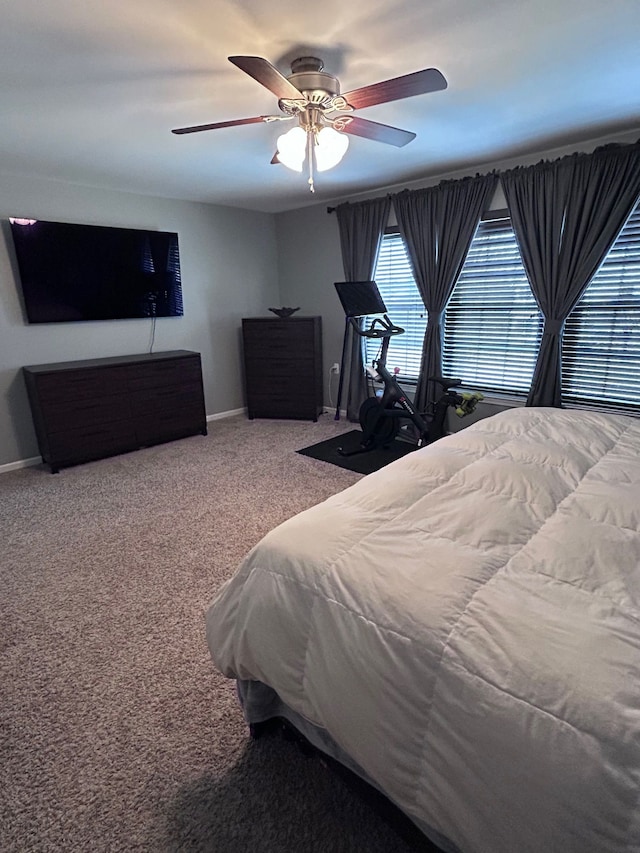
<point x="601" y="345"/>
<point x="398" y="289"/>
<point x="492" y="325"/>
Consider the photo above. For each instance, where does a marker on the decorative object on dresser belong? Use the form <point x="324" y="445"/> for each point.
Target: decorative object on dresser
<point x="283" y="367"/>
<point x="284" y="312"/>
<point x="99" y="407"/>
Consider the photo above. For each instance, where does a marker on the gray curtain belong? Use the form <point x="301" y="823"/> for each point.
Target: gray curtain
<point x="361" y="226"/>
<point x="437" y="225"/>
<point x="566" y="214"/>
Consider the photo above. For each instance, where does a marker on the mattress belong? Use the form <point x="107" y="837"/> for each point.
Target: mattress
<point x="464" y="624"/>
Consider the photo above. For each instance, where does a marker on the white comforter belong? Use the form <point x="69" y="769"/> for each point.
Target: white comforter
<point x="465" y="623"/>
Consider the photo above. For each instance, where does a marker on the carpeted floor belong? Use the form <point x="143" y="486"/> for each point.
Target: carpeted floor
<point x="116" y="733"/>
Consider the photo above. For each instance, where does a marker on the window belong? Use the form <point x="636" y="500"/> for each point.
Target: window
<point x="493" y="327"/>
<point x="601" y="346"/>
<point x="398" y="289"/>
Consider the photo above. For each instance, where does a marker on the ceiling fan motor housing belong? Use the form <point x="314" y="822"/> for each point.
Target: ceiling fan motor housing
<point x="309" y="78"/>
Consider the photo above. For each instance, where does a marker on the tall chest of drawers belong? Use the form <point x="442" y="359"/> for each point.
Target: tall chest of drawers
<point x="88" y="409"/>
<point x="283" y="367"/>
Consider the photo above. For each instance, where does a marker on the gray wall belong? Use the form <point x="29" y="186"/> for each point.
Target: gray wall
<point x="229" y="270"/>
<point x="309" y="261"/>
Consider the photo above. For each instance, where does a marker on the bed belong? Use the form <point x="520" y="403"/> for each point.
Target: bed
<point x="462" y="629"/>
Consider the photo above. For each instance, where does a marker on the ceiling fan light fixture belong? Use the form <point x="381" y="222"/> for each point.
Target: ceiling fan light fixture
<point x="328" y="146"/>
<point x="331" y="146"/>
<point x="292" y="148"/>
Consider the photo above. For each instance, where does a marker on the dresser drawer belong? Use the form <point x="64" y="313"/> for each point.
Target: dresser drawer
<point x="165" y="374"/>
<point x="167" y="399"/>
<point x="164" y="425"/>
<point x="286" y="369"/>
<point x="69" y="385"/>
<point x="64" y="414"/>
<point x="280" y="337"/>
<point x="91" y="442"/>
<point x="281" y="406"/>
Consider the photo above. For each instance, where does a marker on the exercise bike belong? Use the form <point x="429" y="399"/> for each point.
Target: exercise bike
<point x="380" y="416"/>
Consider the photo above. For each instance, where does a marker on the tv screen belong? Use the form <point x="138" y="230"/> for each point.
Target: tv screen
<point x="91" y="272"/>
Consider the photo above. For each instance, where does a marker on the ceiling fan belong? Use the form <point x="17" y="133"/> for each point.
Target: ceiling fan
<point x="311" y="97"/>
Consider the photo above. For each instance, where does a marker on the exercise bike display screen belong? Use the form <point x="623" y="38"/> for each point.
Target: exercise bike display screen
<point x="360" y="298"/>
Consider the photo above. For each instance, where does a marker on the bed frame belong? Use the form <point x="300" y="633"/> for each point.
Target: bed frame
<point x="259" y="701"/>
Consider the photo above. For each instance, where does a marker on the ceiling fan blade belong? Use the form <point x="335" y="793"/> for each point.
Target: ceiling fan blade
<point x="266" y="74"/>
<point x="418" y="83"/>
<point x="197" y="128"/>
<point x="373" y="130"/>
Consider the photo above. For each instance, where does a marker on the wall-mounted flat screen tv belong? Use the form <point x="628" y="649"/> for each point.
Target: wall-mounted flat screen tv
<point x="92" y="272"/>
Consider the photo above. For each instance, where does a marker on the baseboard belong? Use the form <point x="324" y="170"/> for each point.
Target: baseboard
<point x="21" y="463"/>
<point x="37" y="460"/>
<point x="326" y="410"/>
<point x="231" y="413"/>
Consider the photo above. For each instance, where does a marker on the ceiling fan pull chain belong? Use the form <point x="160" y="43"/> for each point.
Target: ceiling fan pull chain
<point x="310" y="143"/>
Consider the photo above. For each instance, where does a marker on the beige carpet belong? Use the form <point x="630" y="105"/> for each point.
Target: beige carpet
<point x="116" y="733"/>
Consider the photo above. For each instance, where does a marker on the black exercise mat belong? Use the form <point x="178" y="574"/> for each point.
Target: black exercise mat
<point x="361" y="463"/>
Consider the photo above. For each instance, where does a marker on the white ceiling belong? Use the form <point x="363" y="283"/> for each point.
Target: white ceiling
<point x="90" y="89"/>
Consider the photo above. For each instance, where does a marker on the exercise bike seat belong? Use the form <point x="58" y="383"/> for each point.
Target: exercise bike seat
<point x="445" y="382"/>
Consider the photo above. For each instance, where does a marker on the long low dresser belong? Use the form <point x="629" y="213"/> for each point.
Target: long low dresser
<point x="89" y="409"/>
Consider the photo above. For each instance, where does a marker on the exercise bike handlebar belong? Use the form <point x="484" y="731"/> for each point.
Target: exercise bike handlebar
<point x="379" y="328"/>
